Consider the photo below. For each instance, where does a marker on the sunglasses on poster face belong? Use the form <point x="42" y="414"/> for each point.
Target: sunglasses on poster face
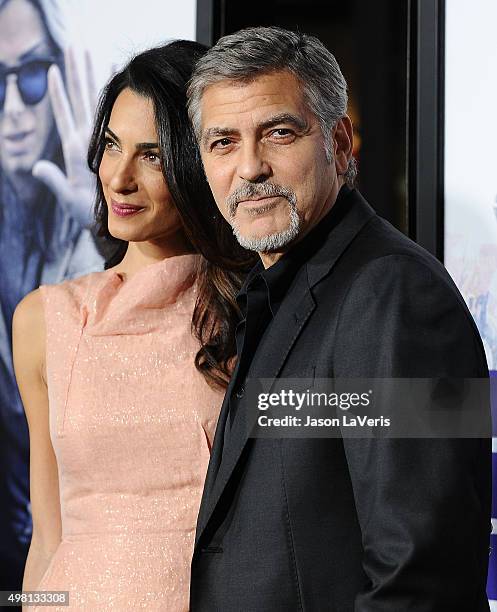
<point x="31" y="80"/>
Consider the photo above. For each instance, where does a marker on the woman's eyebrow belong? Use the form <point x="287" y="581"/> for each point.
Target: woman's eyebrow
<point x="114" y="136"/>
<point x="35" y="51"/>
<point x="147" y="145"/>
<point x="140" y="145"/>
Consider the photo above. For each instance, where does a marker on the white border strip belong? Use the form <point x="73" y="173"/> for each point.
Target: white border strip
<point x="494" y="445"/>
<point x="494" y="526"/>
<point x="493" y="605"/>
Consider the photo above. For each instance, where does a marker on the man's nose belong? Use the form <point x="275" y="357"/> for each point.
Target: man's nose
<point x="13" y="104"/>
<point x="123" y="178"/>
<point x="252" y="164"/>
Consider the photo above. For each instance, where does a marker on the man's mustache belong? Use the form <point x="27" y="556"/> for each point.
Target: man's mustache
<point x="252" y="190"/>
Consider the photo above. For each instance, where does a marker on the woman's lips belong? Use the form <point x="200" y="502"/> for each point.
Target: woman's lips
<point x="18" y="136"/>
<point x="17" y="143"/>
<point x="125" y="210"/>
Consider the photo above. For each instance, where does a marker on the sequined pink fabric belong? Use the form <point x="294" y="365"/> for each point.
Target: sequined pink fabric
<point x="131" y="422"/>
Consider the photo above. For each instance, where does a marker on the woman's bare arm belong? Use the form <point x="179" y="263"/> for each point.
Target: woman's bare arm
<point x="28" y="339"/>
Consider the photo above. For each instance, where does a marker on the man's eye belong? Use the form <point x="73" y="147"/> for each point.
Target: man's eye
<point x="282" y="132"/>
<point x="221" y="144"/>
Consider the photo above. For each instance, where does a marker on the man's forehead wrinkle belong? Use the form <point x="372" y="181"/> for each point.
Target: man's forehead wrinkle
<point x="225" y="93"/>
<point x="252" y="106"/>
<point x="254" y="102"/>
<point x="257" y="114"/>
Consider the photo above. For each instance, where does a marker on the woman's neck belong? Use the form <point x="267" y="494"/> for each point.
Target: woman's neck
<point x="25" y="208"/>
<point x="140" y="254"/>
<point x="25" y="186"/>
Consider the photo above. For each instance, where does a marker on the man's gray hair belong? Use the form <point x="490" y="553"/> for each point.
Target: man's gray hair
<point x="245" y="55"/>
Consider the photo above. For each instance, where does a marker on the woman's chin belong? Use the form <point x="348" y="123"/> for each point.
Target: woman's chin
<point x="126" y="234"/>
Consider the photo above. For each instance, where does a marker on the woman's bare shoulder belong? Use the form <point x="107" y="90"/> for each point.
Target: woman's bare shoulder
<point x="28" y="315"/>
<point x="28" y="332"/>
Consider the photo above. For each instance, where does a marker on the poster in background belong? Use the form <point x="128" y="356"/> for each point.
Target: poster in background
<point x="46" y="192"/>
<point x="471" y="181"/>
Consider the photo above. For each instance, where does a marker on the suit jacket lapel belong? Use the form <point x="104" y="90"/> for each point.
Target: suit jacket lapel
<point x="287" y="324"/>
<point x="217" y="446"/>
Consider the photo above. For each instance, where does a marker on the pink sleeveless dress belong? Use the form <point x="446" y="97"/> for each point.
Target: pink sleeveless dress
<point x="131" y="423"/>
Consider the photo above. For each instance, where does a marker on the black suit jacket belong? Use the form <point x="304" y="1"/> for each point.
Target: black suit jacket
<point x="349" y="525"/>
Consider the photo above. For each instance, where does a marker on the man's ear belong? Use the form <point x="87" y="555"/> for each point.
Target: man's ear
<point x="343" y="143"/>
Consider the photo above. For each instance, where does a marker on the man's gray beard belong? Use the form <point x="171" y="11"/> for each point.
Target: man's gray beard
<point x="272" y="242"/>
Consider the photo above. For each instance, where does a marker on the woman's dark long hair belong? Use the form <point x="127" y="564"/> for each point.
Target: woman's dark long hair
<point x="161" y="75"/>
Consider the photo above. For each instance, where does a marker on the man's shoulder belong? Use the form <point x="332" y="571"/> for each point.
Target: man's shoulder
<point x="396" y="309"/>
<point x="381" y="260"/>
<point x="384" y="266"/>
<point x="382" y="250"/>
<point x="379" y="240"/>
<point x="361" y="238"/>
